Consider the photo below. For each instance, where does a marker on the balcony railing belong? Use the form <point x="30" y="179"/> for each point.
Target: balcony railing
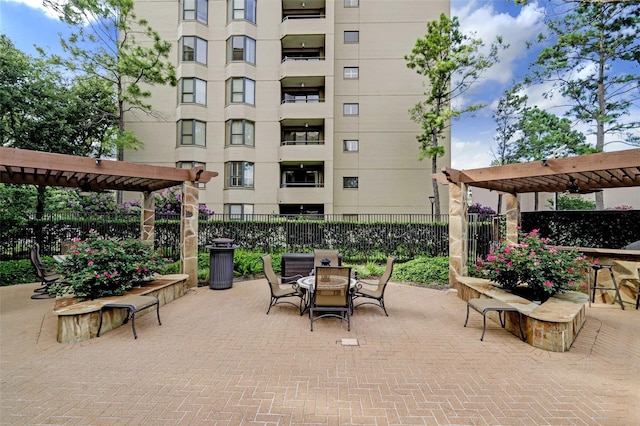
<point x="304" y="142"/>
<point x="303" y="100"/>
<point x="305" y="58"/>
<point x="299" y="16"/>
<point x="302" y="185"/>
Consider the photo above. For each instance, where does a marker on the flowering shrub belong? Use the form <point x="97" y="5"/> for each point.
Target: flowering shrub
<point x="533" y="262"/>
<point x="483" y="212"/>
<point x="100" y="266"/>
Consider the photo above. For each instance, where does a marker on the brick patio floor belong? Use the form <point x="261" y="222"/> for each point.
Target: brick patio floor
<point x="218" y="359"/>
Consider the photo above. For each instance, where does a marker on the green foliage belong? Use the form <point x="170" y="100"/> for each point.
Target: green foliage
<point x="246" y="263"/>
<point x="120" y="51"/>
<point x="17" y="272"/>
<point x="430" y="271"/>
<point x="100" y="266"/>
<point x="534" y="262"/>
<point x="507" y="117"/>
<point x="593" y="63"/>
<point x="570" y="202"/>
<point x="451" y="61"/>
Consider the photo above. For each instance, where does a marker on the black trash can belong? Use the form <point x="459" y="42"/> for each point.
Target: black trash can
<point x="221" y="263"/>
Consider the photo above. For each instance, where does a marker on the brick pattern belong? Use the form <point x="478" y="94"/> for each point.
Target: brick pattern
<point x="218" y="359"/>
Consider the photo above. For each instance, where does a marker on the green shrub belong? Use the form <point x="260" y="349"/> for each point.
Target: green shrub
<point x="246" y="263"/>
<point x="17" y="272"/>
<point x="430" y="271"/>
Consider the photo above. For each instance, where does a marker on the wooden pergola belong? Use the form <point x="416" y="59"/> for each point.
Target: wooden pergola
<point x="582" y="174"/>
<point x="19" y="166"/>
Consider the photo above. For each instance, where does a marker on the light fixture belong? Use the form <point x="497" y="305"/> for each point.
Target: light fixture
<point x="301" y="166"/>
<point x="301" y="84"/>
<point x="98" y="161"/>
<point x="544" y="162"/>
<point x="302" y="44"/>
<point x="303" y="5"/>
<point x="306" y="124"/>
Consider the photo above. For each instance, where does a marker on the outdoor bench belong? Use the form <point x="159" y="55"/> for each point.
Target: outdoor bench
<point x="133" y="304"/>
<point x="485" y="306"/>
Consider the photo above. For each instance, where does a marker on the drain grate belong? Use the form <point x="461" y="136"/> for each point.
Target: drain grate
<point x="349" y="342"/>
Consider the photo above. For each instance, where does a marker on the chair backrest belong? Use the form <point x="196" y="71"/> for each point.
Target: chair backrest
<point x="267" y="266"/>
<point x="331" y="255"/>
<point x="332" y="286"/>
<point x="385" y="277"/>
<point x="36" y="261"/>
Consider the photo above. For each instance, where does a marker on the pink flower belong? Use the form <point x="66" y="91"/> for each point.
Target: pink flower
<point x="88" y="249"/>
<point x="139" y="270"/>
<point x="548" y="284"/>
<point x="90" y="263"/>
<point x="509" y="264"/>
<point x="534" y="232"/>
<point x="596" y="262"/>
<point x="570" y="283"/>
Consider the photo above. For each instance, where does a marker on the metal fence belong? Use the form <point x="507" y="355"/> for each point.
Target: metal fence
<point x="360" y="238"/>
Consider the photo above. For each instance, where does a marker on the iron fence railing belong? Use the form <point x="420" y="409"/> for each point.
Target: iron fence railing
<point x="360" y="238"/>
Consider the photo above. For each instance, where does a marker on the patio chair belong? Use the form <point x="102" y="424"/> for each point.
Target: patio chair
<point x="374" y="292"/>
<point x="331" y="296"/>
<point x="320" y="255"/>
<point x="278" y="290"/>
<point x="46" y="278"/>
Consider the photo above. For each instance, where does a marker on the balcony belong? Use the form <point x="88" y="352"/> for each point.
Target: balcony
<point x="303" y="17"/>
<point x="309" y="175"/>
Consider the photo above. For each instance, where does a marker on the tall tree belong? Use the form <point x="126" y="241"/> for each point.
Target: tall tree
<point x="591" y="62"/>
<point x="507" y="116"/>
<point x="545" y="135"/>
<point x="451" y="61"/>
<point x="112" y="44"/>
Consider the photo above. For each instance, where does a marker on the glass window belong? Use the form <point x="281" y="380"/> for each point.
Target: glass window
<point x="241" y="48"/>
<point x="238" y="211"/>
<point x="351" y="73"/>
<point x="242" y="9"/>
<point x="351" y="3"/>
<point x="351" y="36"/>
<point x="194" y="91"/>
<point x="194" y="49"/>
<point x="241" y="90"/>
<point x="349" y="182"/>
<point x="240" y="132"/>
<point x="195" y="9"/>
<point x="239" y="174"/>
<point x="350" y="109"/>
<point x="350" y="145"/>
<point x="192" y="132"/>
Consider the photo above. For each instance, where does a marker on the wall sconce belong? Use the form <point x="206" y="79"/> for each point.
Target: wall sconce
<point x="544" y="162"/>
<point x="303" y="5"/>
<point x="306" y="124"/>
<point x="98" y="161"/>
<point x="301" y="166"/>
<point x="301" y="84"/>
<point x="302" y="44"/>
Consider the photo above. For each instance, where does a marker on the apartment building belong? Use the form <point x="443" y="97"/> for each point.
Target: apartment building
<point x="300" y="105"/>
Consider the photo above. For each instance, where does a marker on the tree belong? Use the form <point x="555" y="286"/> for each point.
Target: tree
<point x="566" y="202"/>
<point x="507" y="117"/>
<point x="123" y="52"/>
<point x="545" y="135"/>
<point x="594" y="44"/>
<point x="451" y="61"/>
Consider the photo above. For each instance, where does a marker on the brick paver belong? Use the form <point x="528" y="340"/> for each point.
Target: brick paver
<point x="218" y="359"/>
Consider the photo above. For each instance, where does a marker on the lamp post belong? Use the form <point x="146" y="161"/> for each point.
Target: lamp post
<point x="433" y="200"/>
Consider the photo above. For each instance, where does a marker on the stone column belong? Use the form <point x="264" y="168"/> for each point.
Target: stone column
<point x="148" y="218"/>
<point x="458" y="226"/>
<point x="513" y="218"/>
<point x="189" y="233"/>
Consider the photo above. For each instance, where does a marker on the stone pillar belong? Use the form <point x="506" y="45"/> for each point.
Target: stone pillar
<point x="148" y="218"/>
<point x="513" y="218"/>
<point x="189" y="233"/>
<point x="458" y="229"/>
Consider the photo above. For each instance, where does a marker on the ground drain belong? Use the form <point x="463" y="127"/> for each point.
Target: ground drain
<point x="349" y="342"/>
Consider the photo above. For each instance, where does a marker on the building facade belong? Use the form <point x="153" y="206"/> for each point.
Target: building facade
<point x="300" y="105"/>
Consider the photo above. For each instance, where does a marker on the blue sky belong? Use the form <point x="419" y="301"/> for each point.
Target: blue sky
<point x="27" y="23"/>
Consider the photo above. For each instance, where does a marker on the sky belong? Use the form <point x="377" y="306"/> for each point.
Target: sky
<point x="28" y="23"/>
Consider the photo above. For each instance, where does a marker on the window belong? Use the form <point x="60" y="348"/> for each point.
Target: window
<point x="351" y="73"/>
<point x="239" y="174"/>
<point x="242" y="9"/>
<point x="194" y="49"/>
<point x="241" y="48"/>
<point x="192" y="132"/>
<point x="194" y="91"/>
<point x="191" y="165"/>
<point x="241" y="90"/>
<point x="195" y="9"/>
<point x="350" y="182"/>
<point x="351" y="36"/>
<point x="240" y="132"/>
<point x="351" y="3"/>
<point x="238" y="211"/>
<point x="350" y="145"/>
<point x="350" y="109"/>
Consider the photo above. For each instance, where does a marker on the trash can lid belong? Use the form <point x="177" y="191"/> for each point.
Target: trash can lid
<point x="222" y="242"/>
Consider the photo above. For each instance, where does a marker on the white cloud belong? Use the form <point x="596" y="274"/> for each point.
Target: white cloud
<point x="36" y="4"/>
<point x="469" y="155"/>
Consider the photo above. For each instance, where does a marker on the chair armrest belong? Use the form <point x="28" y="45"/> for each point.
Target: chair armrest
<point x="359" y="284"/>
